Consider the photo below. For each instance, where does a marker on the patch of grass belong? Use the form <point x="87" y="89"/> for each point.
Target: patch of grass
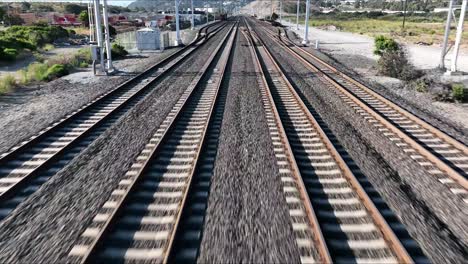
<point x="23" y="74"/>
<point x="6" y="83"/>
<point x="37" y="71"/>
<point x="48" y="47"/>
<point x="420" y="29"/>
<point x="458" y="92"/>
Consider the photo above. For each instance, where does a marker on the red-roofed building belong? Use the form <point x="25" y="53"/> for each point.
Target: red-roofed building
<point x="65" y="20"/>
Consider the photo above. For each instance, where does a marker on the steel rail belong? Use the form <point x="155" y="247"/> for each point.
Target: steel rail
<point x="379" y="220"/>
<point x="205" y="129"/>
<point x="88" y="256"/>
<point x="320" y="243"/>
<point x="12" y="189"/>
<point x="428" y="155"/>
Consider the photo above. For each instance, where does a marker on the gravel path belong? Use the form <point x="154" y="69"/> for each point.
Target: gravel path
<point x="435" y="221"/>
<point x="44" y="228"/>
<point x="27" y="111"/>
<point x="247" y="219"/>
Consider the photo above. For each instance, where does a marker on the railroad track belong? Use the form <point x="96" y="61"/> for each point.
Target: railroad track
<point x="334" y="218"/>
<point x="30" y="164"/>
<point x="439" y="154"/>
<point x="140" y="220"/>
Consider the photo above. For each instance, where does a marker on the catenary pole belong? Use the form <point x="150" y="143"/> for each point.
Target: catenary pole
<point x="97" y="16"/>
<point x="193" y="17"/>
<point x="297" y="13"/>
<point x="177" y="41"/>
<point x="107" y="35"/>
<point x="446" y="35"/>
<point x="306" y="22"/>
<point x="458" y="37"/>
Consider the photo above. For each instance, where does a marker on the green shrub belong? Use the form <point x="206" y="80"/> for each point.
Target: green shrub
<point x="385" y="44"/>
<point x="420" y="86"/>
<point x="56" y="71"/>
<point x="118" y="51"/>
<point x="8" y="54"/>
<point x="458" y="92"/>
<point x="395" y="64"/>
<point x="6" y="83"/>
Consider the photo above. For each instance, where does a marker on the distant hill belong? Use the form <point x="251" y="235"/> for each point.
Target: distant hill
<point x="169" y="4"/>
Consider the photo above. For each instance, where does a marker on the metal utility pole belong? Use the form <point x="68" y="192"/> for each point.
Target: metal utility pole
<point x="193" y="18"/>
<point x="297" y="14"/>
<point x="458" y="37"/>
<point x="306" y="35"/>
<point x="446" y="36"/>
<point x="107" y="36"/>
<point x="178" y="41"/>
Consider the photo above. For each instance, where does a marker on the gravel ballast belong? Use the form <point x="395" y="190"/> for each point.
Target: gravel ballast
<point x="44" y="228"/>
<point x="247" y="219"/>
<point x="435" y="221"/>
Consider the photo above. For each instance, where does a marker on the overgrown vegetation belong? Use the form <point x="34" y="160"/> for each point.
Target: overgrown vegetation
<point x="393" y="61"/>
<point x="54" y="68"/>
<point x="47" y="71"/>
<point x="17" y="38"/>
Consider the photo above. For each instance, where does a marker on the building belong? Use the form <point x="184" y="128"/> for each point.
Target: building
<point x="65" y="20"/>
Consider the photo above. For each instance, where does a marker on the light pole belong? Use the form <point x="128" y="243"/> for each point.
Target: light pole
<point x="306" y="36"/>
<point x="297" y="14"/>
